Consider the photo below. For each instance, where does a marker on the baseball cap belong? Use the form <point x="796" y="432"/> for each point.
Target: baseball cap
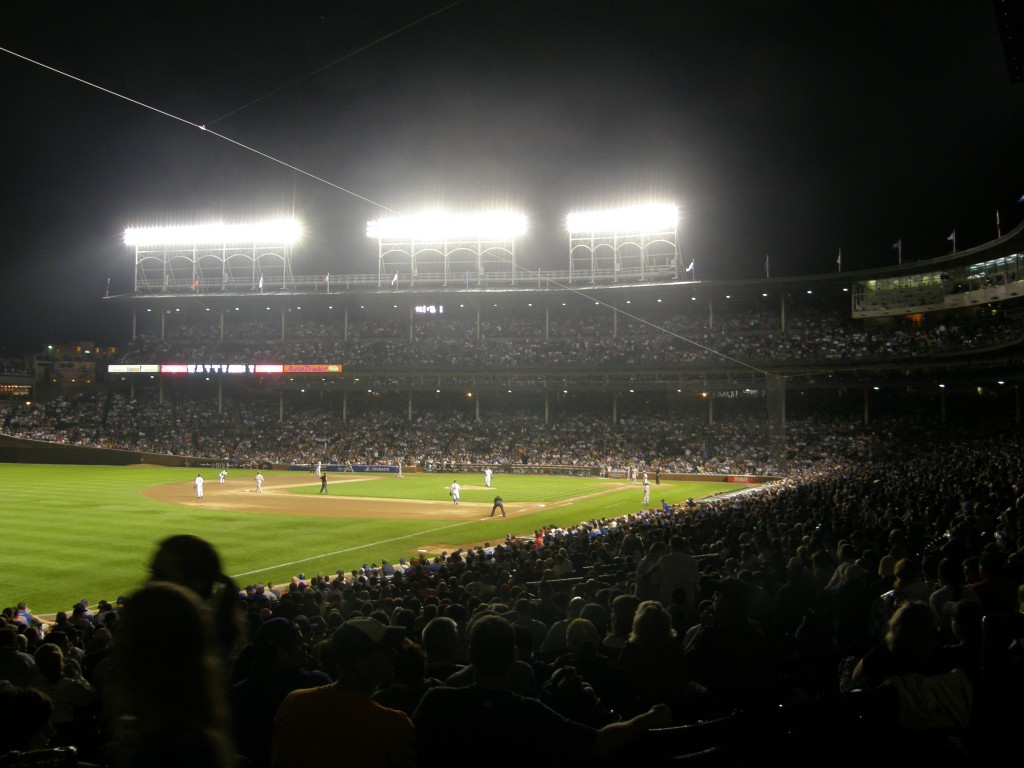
<point x="362" y="634"/>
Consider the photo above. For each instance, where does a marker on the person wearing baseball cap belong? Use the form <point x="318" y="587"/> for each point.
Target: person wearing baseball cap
<point x="278" y="667"/>
<point x="340" y="724"/>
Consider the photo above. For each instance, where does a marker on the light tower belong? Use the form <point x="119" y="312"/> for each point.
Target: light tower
<point x="214" y="256"/>
<point x="443" y="248"/>
<point x="624" y="244"/>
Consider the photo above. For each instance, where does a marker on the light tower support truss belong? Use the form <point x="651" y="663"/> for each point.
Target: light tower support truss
<point x="214" y="257"/>
<point x="473" y="263"/>
<point x="622" y="257"/>
<point x="630" y="244"/>
<point x="175" y="269"/>
<point x="447" y="249"/>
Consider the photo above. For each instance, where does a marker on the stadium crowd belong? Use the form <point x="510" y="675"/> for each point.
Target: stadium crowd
<point x="683" y="340"/>
<point x="868" y="607"/>
<point x="248" y="432"/>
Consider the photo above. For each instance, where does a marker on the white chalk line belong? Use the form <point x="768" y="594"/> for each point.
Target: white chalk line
<point x="384" y="542"/>
<point x="381" y="543"/>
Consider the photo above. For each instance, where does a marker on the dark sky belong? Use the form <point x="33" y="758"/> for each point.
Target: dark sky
<point x="788" y="127"/>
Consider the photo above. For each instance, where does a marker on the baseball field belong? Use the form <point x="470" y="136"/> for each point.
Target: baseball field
<point x="72" y="532"/>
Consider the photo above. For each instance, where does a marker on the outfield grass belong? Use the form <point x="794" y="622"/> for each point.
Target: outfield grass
<point x="73" y="532"/>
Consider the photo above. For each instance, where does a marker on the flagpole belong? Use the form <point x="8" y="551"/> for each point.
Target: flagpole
<point x="767" y="267"/>
<point x="839" y="261"/>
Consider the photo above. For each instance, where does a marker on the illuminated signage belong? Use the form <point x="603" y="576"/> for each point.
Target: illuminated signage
<point x="227" y="368"/>
<point x="138" y="368"/>
<point x="209" y="368"/>
<point x="428" y="309"/>
<point x="329" y="368"/>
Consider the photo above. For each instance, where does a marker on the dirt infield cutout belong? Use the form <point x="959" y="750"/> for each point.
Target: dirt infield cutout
<point x="239" y="494"/>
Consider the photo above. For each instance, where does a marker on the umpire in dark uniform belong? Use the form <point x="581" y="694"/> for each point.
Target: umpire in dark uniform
<point x="498" y="504"/>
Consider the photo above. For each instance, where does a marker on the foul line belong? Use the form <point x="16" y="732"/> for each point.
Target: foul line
<point x="383" y="542"/>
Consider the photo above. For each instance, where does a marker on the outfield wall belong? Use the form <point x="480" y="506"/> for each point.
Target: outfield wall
<point x="18" y="450"/>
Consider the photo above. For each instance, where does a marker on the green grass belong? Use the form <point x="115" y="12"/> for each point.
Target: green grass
<point x="73" y="532"/>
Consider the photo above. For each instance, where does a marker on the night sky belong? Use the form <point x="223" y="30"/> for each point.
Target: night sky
<point x="790" y="128"/>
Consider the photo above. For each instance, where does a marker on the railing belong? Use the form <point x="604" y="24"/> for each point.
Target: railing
<point x="149" y="283"/>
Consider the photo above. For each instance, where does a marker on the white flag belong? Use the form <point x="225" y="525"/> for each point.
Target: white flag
<point x="261" y="282"/>
<point x="690" y="268"/>
<point x="394" y="279"/>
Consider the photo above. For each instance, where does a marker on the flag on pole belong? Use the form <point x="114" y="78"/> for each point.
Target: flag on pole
<point x="394" y="279"/>
<point x="195" y="283"/>
<point x="261" y="282"/>
<point x="999" y="232"/>
<point x="839" y="261"/>
<point x="767" y="265"/>
<point x="898" y="247"/>
<point x="327" y="277"/>
<point x="690" y="268"/>
<point x="952" y="236"/>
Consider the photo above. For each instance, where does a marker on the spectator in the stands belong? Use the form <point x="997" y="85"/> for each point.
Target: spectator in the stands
<point x="455" y="721"/>
<point x="26" y="715"/>
<point x="306" y="727"/>
<point x="652" y="662"/>
<point x="276" y="659"/>
<point x="17" y="667"/>
<point x="166" y="692"/>
<point x="193" y="563"/>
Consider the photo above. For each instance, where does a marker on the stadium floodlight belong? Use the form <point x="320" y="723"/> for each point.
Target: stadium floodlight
<point x="445" y="226"/>
<point x="270" y="232"/>
<point x="638" y="219"/>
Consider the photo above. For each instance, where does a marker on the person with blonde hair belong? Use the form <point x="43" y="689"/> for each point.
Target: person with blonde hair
<point x="653" y="662"/>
